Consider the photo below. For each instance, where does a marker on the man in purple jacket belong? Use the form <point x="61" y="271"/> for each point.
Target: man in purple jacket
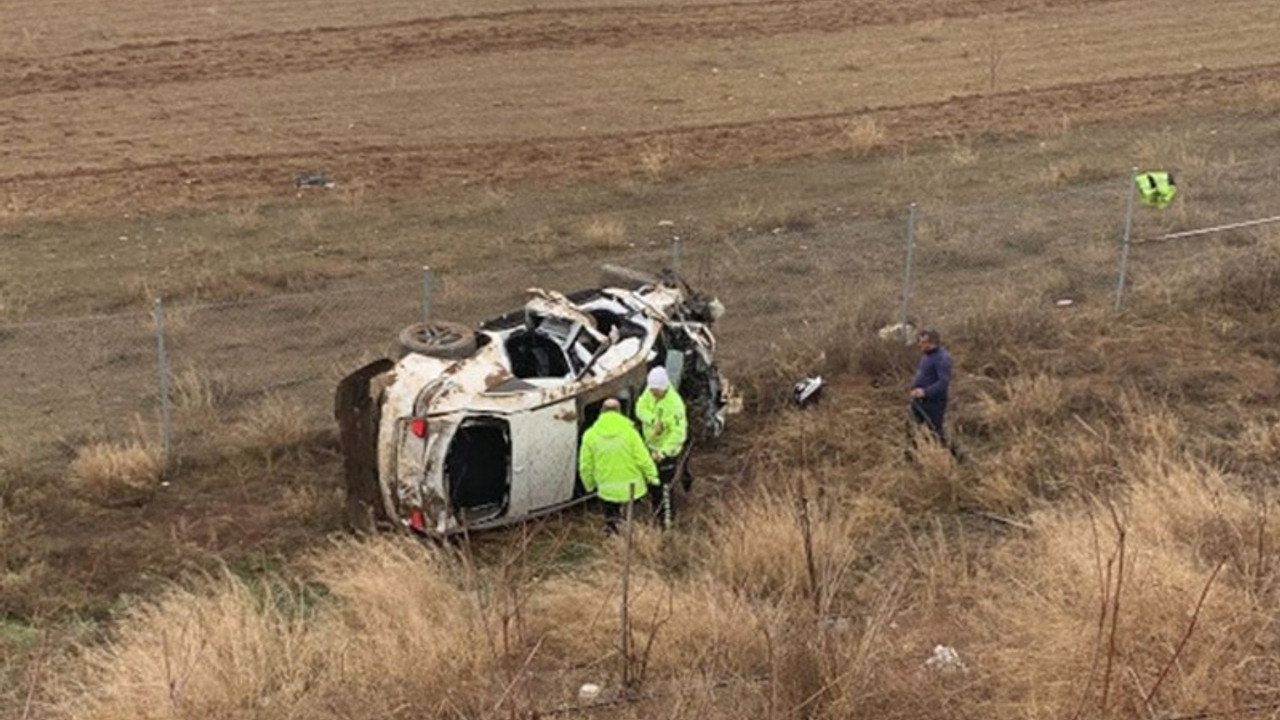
<point x="929" y="389"/>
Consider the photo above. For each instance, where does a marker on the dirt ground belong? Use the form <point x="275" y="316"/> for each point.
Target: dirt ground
<point x="491" y="122"/>
<point x="135" y="104"/>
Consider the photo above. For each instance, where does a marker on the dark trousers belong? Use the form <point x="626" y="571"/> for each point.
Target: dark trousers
<point x="614" y="515"/>
<point x="666" y="475"/>
<point x="931" y="414"/>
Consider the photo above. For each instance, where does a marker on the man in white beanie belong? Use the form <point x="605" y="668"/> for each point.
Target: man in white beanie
<point x="665" y="428"/>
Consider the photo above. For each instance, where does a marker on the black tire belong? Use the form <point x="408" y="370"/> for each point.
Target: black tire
<point x="626" y="278"/>
<point x="437" y="338"/>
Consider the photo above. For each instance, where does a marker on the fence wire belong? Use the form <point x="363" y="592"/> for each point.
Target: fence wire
<point x="76" y="381"/>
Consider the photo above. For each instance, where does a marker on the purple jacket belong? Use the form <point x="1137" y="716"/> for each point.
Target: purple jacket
<point x="934" y="374"/>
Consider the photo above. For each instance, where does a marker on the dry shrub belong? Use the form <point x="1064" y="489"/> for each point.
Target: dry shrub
<point x="244" y="219"/>
<point x="405" y="634"/>
<point x="395" y="633"/>
<point x="934" y="481"/>
<point x="963" y="154"/>
<point x="1171" y="151"/>
<point x="1248" y="282"/>
<point x="885" y="360"/>
<point x="200" y="389"/>
<point x="605" y="233"/>
<point x="273" y="426"/>
<point x="863" y="135"/>
<point x="1024" y="400"/>
<point x="1033" y="464"/>
<point x="23" y="549"/>
<point x="15" y="300"/>
<point x="1151" y="428"/>
<point x="1268" y="90"/>
<point x="118" y="472"/>
<point x="1072" y="171"/>
<point x="310" y="220"/>
<point x="756" y="544"/>
<point x="1260" y="441"/>
<point x="997" y="337"/>
<point x="687" y="627"/>
<point x="213" y="653"/>
<point x="1048" y="617"/>
<point x="658" y="159"/>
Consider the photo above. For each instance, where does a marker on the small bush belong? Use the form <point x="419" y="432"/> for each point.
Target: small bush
<point x="197" y="389"/>
<point x="273" y="426"/>
<point x="118" y="472"/>
<point x="1025" y="401"/>
<point x="863" y="135"/>
<point x="605" y="233"/>
<point x="1249" y="282"/>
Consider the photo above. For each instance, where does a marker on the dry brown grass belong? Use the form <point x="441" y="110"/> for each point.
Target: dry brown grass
<point x="864" y="135"/>
<point x="395" y="627"/>
<point x="657" y="159"/>
<point x="1062" y="614"/>
<point x="1025" y="400"/>
<point x="118" y="472"/>
<point x="605" y="233"/>
<point x="745" y="627"/>
<point x="273" y="426"/>
<point x="196" y="388"/>
<point x="245" y="218"/>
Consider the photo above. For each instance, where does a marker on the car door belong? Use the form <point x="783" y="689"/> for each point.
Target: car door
<point x="544" y="456"/>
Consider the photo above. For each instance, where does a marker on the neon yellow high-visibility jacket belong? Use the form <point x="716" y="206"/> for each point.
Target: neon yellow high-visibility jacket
<point x="613" y="459"/>
<point x="675" y="426"/>
<point x="1157" y="188"/>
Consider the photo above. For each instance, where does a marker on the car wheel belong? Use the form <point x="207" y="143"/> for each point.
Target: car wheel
<point x="439" y="339"/>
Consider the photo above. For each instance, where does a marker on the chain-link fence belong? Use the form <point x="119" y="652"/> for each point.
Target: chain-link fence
<point x="257" y="366"/>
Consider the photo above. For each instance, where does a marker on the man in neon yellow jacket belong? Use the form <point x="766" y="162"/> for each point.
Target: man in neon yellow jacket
<point x="614" y="463"/>
<point x="665" y="424"/>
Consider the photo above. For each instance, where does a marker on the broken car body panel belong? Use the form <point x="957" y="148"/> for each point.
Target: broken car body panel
<point x="492" y="438"/>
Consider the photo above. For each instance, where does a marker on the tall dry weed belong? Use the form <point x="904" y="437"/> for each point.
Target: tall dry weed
<point x="118" y="472"/>
<point x="658" y="159"/>
<point x="391" y="630"/>
<point x="244" y="218"/>
<point x="1170" y="151"/>
<point x="196" y="388"/>
<point x="273" y="426"/>
<point x="1083" y="617"/>
<point x="756" y="546"/>
<point x="1024" y="400"/>
<point x="863" y="135"/>
<point x="605" y="233"/>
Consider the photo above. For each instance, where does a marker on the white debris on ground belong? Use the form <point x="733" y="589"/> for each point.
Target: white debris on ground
<point x="945" y="659"/>
<point x="906" y="332"/>
<point x="588" y="691"/>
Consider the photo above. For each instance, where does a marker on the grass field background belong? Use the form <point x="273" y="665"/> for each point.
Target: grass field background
<point x="151" y="149"/>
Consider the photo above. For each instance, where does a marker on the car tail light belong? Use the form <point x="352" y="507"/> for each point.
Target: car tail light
<point x="419" y="427"/>
<point x="417" y="520"/>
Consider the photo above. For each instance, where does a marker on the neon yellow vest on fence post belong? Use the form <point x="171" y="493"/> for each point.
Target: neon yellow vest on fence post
<point x="1157" y="188"/>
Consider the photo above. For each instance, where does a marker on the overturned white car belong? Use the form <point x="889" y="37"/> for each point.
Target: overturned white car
<point x="477" y="429"/>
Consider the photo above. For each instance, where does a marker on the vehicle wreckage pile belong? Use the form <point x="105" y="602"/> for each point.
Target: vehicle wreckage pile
<point x="474" y="429"/>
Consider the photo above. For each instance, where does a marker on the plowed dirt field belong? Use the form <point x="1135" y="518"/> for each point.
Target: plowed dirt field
<point x="151" y="105"/>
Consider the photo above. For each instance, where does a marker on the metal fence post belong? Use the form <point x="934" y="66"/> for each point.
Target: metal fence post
<point x="906" y="281"/>
<point x="166" y="419"/>
<point x="1128" y="236"/>
<point x="675" y="255"/>
<point x="427" y="282"/>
